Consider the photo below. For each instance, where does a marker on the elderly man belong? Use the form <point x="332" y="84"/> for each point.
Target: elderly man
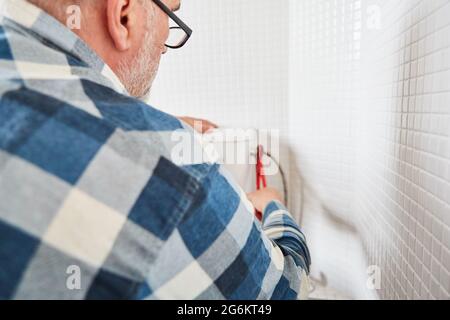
<point x="92" y="206"/>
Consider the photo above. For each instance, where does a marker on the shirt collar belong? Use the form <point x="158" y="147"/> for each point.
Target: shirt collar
<point x="46" y="28"/>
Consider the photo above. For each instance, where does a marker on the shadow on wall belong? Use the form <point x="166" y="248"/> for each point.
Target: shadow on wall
<point x="339" y="260"/>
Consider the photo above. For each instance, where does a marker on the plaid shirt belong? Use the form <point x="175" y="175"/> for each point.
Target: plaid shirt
<point x="88" y="189"/>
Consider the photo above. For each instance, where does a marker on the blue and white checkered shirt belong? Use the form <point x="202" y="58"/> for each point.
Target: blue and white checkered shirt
<point x="88" y="188"/>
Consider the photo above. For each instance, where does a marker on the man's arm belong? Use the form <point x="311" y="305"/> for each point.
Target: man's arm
<point x="280" y="266"/>
<point x="221" y="251"/>
<point x="279" y="226"/>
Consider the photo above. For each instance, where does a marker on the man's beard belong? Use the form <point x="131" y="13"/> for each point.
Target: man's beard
<point x="138" y="74"/>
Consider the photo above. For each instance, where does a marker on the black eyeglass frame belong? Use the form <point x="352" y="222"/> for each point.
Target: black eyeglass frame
<point x="178" y="21"/>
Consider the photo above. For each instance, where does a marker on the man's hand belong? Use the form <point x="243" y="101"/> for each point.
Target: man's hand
<point x="261" y="198"/>
<point x="200" y="125"/>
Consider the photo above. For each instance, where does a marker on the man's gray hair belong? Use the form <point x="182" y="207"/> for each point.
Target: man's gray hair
<point x="58" y="8"/>
<point x="56" y="3"/>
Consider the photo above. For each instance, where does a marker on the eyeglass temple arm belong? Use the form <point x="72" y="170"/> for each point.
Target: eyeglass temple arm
<point x="174" y="17"/>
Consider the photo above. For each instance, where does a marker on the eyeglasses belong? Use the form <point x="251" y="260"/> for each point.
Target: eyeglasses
<point x="178" y="35"/>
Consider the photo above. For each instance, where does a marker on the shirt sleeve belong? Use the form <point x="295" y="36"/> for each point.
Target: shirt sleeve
<point x="221" y="251"/>
<point x="280" y="227"/>
<point x="286" y="276"/>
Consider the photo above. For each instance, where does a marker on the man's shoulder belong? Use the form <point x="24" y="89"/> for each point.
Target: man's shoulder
<point x="99" y="107"/>
<point x="126" y="112"/>
<point x="43" y="129"/>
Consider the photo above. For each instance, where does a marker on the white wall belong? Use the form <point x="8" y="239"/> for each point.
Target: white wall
<point x="364" y="111"/>
<point x="234" y="69"/>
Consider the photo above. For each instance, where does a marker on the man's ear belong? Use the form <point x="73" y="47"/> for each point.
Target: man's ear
<point x="117" y="15"/>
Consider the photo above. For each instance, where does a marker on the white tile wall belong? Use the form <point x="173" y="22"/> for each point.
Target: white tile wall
<point x="370" y="123"/>
<point x="405" y="193"/>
